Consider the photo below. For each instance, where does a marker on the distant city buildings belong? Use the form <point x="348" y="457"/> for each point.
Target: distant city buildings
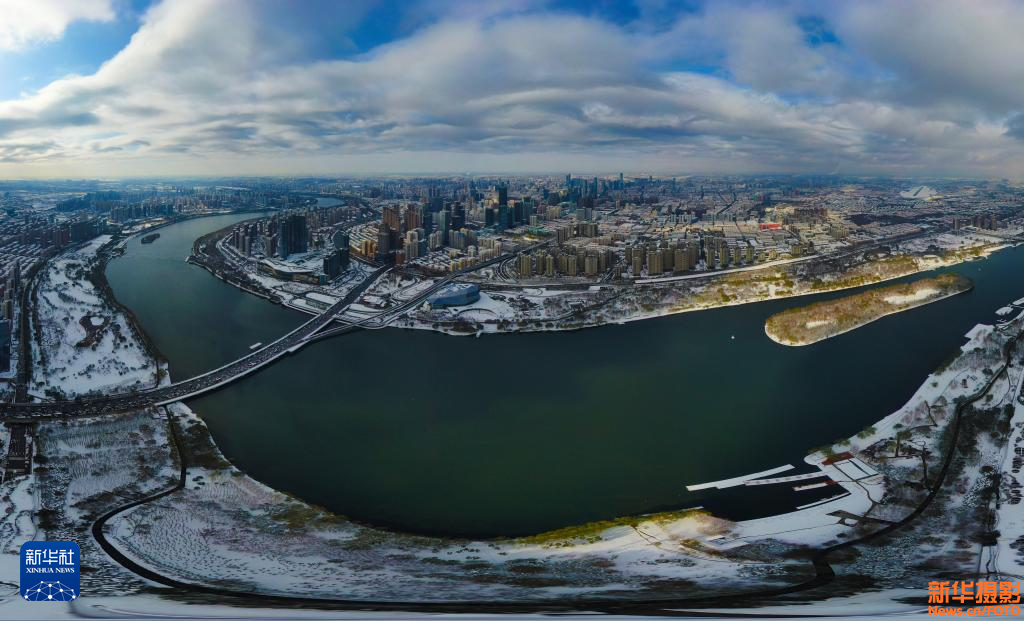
<point x="276" y="240"/>
<point x="539" y="230"/>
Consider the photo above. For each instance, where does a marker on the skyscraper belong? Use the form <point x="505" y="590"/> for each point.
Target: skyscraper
<point x="342" y="243"/>
<point x="392" y="217"/>
<point x="5" y="345"/>
<point x="383" y="240"/>
<point x="443" y="221"/>
<point x="332" y="264"/>
<point x="293" y="236"/>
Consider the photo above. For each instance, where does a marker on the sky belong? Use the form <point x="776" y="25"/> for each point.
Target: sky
<point x="119" y="88"/>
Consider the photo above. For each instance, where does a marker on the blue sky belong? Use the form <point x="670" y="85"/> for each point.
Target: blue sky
<point x="141" y="87"/>
<point x="81" y="50"/>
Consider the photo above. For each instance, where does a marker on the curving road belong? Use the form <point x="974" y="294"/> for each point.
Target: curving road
<point x="312" y="330"/>
<point x="199" y="384"/>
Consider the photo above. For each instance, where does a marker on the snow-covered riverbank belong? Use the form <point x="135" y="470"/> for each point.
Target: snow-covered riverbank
<point x="225" y="528"/>
<point x="82" y="343"/>
<point x="572" y="309"/>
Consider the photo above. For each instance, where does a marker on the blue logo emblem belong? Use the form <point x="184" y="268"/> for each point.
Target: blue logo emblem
<point x="50" y="571"/>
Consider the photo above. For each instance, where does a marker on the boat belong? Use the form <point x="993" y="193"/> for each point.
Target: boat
<point x="255" y="346"/>
<point x="149" y="239"/>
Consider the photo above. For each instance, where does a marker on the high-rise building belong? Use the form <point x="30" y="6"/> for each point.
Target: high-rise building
<point x="392" y="217"/>
<point x="435" y="240"/>
<point x="5" y="345"/>
<point x="525" y="266"/>
<point x="679" y="260"/>
<point x="341" y="240"/>
<point x="504" y="218"/>
<point x="570" y="265"/>
<point x="413" y="218"/>
<point x="383" y="239"/>
<point x="414" y="247"/>
<point x="443" y="221"/>
<point x="458" y="216"/>
<point x="562" y="234"/>
<point x="654" y="264"/>
<point x="458" y="239"/>
<point x="293" y="237"/>
<point x="332" y="264"/>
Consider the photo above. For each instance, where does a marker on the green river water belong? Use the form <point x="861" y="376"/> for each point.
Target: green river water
<point x="514" y="434"/>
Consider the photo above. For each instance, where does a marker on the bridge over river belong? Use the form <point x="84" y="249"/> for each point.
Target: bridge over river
<point x="312" y="330"/>
<point x="199" y="384"/>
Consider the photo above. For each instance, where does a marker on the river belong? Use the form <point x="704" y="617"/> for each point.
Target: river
<point x="516" y="434"/>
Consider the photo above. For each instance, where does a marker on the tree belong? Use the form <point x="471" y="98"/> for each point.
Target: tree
<point x="901" y="434"/>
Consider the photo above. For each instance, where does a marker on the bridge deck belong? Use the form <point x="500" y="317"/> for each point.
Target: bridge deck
<point x="221" y="376"/>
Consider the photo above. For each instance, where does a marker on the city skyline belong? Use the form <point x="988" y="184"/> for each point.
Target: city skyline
<point x="118" y="88"/>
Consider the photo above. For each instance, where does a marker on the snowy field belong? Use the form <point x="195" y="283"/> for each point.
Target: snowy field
<point x="921" y="192"/>
<point x="81" y="343"/>
<point x="226" y="527"/>
<point x="17" y="506"/>
<point x="530" y="308"/>
<point x="83" y="468"/>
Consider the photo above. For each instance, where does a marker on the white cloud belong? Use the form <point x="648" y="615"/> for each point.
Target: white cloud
<point x="950" y="50"/>
<point x="216" y="85"/>
<point x="27" y="22"/>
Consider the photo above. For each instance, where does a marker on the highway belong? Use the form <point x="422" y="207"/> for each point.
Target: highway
<point x="382" y="319"/>
<point x="199" y="384"/>
<point x="310" y="331"/>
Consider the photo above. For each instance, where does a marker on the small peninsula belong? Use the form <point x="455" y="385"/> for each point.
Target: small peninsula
<point x="809" y="324"/>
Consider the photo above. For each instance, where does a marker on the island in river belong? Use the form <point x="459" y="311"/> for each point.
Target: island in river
<point x="809" y="324"/>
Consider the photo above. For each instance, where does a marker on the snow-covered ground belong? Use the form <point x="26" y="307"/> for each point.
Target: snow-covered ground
<point x="83" y="468"/>
<point x="817" y="323"/>
<point x="295" y="294"/>
<point x="921" y="192"/>
<point x="17" y="506"/>
<point x="541" y="309"/>
<point x="227" y="529"/>
<point x="917" y="296"/>
<point x="1008" y="555"/>
<point x="82" y="343"/>
<point x="965" y="239"/>
<point x="225" y="526"/>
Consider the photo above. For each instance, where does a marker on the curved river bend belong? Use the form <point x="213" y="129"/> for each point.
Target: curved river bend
<point x="515" y="434"/>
